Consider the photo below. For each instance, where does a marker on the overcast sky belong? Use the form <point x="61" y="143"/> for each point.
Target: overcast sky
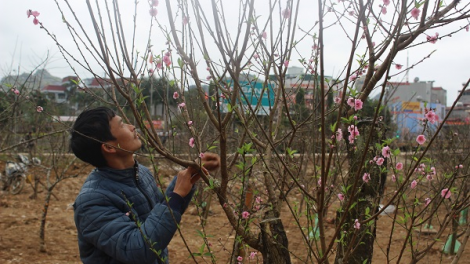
<point x="24" y="45"/>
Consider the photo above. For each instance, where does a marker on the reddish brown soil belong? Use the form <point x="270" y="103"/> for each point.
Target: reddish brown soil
<point x="20" y="220"/>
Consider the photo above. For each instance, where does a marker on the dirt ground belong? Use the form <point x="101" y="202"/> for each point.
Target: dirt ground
<point x="20" y="220"/>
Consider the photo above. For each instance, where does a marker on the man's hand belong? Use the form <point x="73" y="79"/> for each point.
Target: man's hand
<point x="210" y="161"/>
<point x="187" y="177"/>
<point x="183" y="183"/>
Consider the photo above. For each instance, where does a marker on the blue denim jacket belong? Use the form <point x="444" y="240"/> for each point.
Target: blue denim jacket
<point x="107" y="232"/>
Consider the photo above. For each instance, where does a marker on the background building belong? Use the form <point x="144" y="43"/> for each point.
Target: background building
<point x="409" y="102"/>
<point x="417" y="91"/>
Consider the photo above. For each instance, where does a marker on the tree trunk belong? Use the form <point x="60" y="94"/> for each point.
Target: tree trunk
<point x="274" y="242"/>
<point x="357" y="245"/>
<point x="42" y="228"/>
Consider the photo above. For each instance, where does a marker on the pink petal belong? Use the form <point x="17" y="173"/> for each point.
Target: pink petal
<point x="153" y="12"/>
<point x="446" y="193"/>
<point x="286" y="13"/>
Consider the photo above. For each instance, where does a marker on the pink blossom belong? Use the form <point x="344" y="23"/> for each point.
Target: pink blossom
<point x="201" y="155"/>
<point x="153" y="12"/>
<point x="386" y="2"/>
<point x="15" y="91"/>
<point x="380" y="161"/>
<point x="414" y="183"/>
<point x="191" y="142"/>
<point x="167" y="60"/>
<point x="446" y="193"/>
<point x="421" y="139"/>
<point x="39" y="109"/>
<point x="337" y="100"/>
<point x="398" y="66"/>
<point x="353" y="130"/>
<point x="357" y="225"/>
<point x="353" y="77"/>
<point x="240" y="258"/>
<point x="351" y="139"/>
<point x="357" y="104"/>
<point x="154" y="2"/>
<point x="253" y="254"/>
<point x="181" y="105"/>
<point x="427" y="201"/>
<point x="185" y="20"/>
<point x="286" y="63"/>
<point x="151" y="71"/>
<point x="176" y="95"/>
<point x="286" y="13"/>
<point x="190" y="123"/>
<point x="264" y="35"/>
<point x="366" y="177"/>
<point x="258" y="199"/>
<point x="386" y="152"/>
<point x="399" y="166"/>
<point x="350" y="102"/>
<point x="467" y="28"/>
<point x="339" y="134"/>
<point x="429" y="177"/>
<point x="384" y="10"/>
<point x="415" y="13"/>
<point x="159" y="63"/>
<point x="245" y="215"/>
<point x="430" y="116"/>
<point x="208" y="77"/>
<point x="340" y="196"/>
<point x="32" y="13"/>
<point x="35" y="21"/>
<point x="460" y="166"/>
<point x="256" y="56"/>
<point x="432" y="39"/>
<point x="394" y="178"/>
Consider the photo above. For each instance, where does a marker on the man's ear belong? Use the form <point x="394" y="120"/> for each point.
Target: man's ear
<point x="107" y="148"/>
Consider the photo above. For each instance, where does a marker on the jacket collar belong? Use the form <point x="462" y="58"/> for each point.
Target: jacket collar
<point x="118" y="175"/>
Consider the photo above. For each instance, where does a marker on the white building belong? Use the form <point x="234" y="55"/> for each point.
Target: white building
<point x="417" y="91"/>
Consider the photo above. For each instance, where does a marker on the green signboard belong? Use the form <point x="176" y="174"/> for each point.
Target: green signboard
<point x="251" y="93"/>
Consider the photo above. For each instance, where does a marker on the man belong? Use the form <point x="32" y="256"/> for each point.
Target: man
<point x="120" y="195"/>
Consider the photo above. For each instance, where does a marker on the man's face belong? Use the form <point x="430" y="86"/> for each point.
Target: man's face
<point x="125" y="134"/>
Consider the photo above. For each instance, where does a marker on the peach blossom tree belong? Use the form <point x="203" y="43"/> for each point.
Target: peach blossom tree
<point x="331" y="169"/>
